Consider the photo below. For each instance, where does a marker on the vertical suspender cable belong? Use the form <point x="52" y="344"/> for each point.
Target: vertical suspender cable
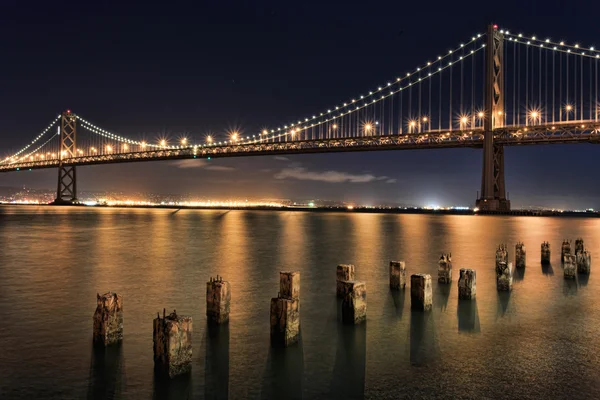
<point x="519" y="89"/>
<point x="440" y="104"/>
<point x="429" y="108"/>
<point x="419" y="112"/>
<point x="567" y="57"/>
<point x="473" y="86"/>
<point x="527" y="85"/>
<point x="450" y="101"/>
<point x="581" y="86"/>
<point x="590" y="115"/>
<point x="540" y="83"/>
<point x="514" y="83"/>
<point x="560" y="86"/>
<point x="401" y="121"/>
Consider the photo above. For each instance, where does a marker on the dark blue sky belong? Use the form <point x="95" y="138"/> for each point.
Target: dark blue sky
<point x="198" y="67"/>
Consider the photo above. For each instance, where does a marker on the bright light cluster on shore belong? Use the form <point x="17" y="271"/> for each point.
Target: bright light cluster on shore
<point x="203" y="204"/>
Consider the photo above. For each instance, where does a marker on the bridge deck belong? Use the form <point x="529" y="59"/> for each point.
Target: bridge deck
<point x="569" y="132"/>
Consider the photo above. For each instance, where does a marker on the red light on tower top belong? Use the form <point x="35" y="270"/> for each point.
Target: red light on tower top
<point x="495" y="26"/>
<point x="68" y="111"/>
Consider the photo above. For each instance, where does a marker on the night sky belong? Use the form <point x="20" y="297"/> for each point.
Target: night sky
<point x="197" y="67"/>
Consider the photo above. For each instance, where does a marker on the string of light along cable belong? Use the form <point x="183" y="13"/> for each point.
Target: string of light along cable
<point x="103" y="132"/>
<point x="363" y="98"/>
<point x="109" y="135"/>
<point x="561" y="46"/>
<point x="38" y="137"/>
<point x="30" y="154"/>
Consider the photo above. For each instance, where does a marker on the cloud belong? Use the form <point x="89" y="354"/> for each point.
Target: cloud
<point x="199" y="163"/>
<point x="281" y="158"/>
<point x="327" y="176"/>
<point x="391" y="180"/>
<point x="219" y="168"/>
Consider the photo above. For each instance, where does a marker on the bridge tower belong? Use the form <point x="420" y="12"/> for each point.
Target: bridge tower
<point x="493" y="193"/>
<point x="66" y="192"/>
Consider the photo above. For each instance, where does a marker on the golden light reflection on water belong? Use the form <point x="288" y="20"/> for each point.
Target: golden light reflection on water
<point x="544" y="332"/>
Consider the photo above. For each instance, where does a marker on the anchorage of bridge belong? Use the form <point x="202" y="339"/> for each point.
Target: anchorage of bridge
<point x="558" y="133"/>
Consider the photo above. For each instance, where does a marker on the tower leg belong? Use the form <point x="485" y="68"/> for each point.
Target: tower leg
<point x="66" y="192"/>
<point x="493" y="191"/>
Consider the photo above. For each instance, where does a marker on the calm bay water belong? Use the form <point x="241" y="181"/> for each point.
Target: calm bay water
<point x="541" y="340"/>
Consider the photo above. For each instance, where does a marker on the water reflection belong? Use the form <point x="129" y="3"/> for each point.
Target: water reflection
<point x="443" y="291"/>
<point x="468" y="316"/>
<point x="179" y="387"/>
<point x="399" y="296"/>
<point x="348" y="378"/>
<point x="503" y="300"/>
<point x="547" y="269"/>
<point x="583" y="279"/>
<point x="422" y="338"/>
<point x="107" y="372"/>
<point x="569" y="287"/>
<point x="216" y="363"/>
<point x="284" y="373"/>
<point x="519" y="274"/>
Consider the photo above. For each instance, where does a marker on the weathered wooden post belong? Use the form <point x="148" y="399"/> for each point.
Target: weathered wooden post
<point x="501" y="254"/>
<point x="285" y="311"/>
<point x="570" y="266"/>
<point x="504" y="276"/>
<point x="565" y="250"/>
<point x="344" y="273"/>
<point x="467" y="284"/>
<point x="421" y="294"/>
<point x="445" y="268"/>
<point x="108" y="319"/>
<point x="579" y="246"/>
<point x="289" y="285"/>
<point x="218" y="300"/>
<point x="584" y="262"/>
<point x="520" y="255"/>
<point x="354" y="304"/>
<point x="545" y="253"/>
<point x="172" y="336"/>
<point x="397" y="275"/>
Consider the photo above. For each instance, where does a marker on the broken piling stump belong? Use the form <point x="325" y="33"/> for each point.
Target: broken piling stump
<point x="218" y="300"/>
<point x="579" y="246"/>
<point x="520" y="255"/>
<point x="570" y="266"/>
<point x="344" y="273"/>
<point x="285" y="321"/>
<point x="285" y="311"/>
<point x="108" y="319"/>
<point x="467" y="284"/>
<point x="565" y="250"/>
<point x="172" y="336"/>
<point x="397" y="275"/>
<point x="421" y="294"/>
<point x="501" y="254"/>
<point x="584" y="262"/>
<point x="504" y="276"/>
<point x="445" y="268"/>
<point x="354" y="304"/>
<point x="289" y="285"/>
<point x="545" y="253"/>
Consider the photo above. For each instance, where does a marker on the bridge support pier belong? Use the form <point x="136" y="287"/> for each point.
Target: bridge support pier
<point x="493" y="192"/>
<point x="66" y="192"/>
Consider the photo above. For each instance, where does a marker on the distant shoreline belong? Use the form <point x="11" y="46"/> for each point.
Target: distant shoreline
<point x="369" y="210"/>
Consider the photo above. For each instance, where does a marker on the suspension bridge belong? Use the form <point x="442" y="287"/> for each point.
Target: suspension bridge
<point x="498" y="88"/>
